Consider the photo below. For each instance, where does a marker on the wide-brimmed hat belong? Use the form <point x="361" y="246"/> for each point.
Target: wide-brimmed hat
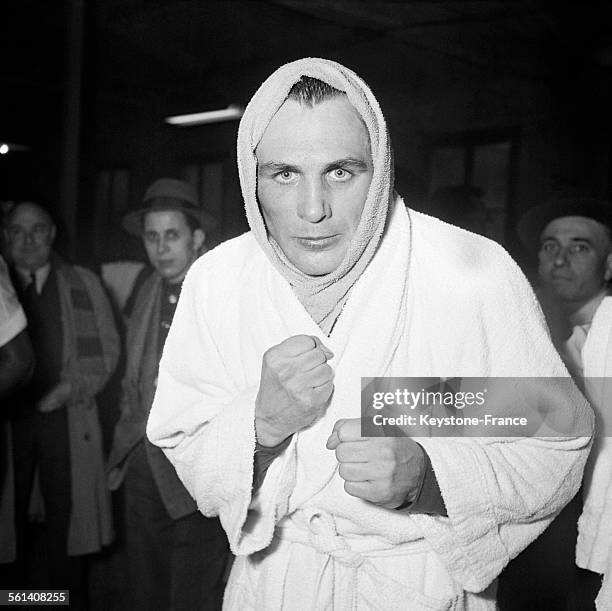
<point x="534" y="221"/>
<point x="169" y="194"/>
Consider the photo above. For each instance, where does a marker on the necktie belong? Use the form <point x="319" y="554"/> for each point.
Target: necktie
<point x="30" y="293"/>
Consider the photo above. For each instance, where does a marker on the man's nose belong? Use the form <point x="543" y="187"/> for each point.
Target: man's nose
<point x="162" y="246"/>
<point x="28" y="238"/>
<point x="313" y="206"/>
<point x="561" y="257"/>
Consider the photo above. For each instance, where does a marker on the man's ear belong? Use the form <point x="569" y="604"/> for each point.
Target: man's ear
<point x="52" y="234"/>
<point x="608" y="268"/>
<point x="199" y="237"/>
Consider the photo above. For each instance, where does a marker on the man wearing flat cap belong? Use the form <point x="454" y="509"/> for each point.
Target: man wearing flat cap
<point x="176" y="555"/>
<point x="259" y="397"/>
<point x="572" y="236"/>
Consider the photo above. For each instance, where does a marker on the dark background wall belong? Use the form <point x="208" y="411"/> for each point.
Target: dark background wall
<point x="534" y="74"/>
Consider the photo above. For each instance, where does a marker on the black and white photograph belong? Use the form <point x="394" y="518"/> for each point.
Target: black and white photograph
<point x="306" y="305"/>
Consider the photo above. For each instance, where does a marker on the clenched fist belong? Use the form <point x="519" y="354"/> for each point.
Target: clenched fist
<point x="295" y="387"/>
<point x="386" y="471"/>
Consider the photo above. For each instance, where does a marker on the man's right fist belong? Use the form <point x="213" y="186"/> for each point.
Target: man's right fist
<point x="295" y="387"/>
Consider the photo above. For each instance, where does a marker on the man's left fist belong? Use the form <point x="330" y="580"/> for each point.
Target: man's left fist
<point x="386" y="471"/>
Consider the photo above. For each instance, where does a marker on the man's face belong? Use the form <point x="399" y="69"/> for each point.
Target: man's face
<point x="170" y="243"/>
<point x="314" y="168"/>
<point x="574" y="259"/>
<point x="30" y="234"/>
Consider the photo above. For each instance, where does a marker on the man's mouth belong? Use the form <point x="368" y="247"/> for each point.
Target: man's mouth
<point x="319" y="242"/>
<point x="562" y="277"/>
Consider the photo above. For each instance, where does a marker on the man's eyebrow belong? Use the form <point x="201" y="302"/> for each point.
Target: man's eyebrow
<point x="352" y="162"/>
<point x="276" y="166"/>
<point x="572" y="239"/>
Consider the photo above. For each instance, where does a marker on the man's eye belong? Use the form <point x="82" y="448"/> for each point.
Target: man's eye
<point x="340" y="175"/>
<point x="576" y="249"/>
<point x="172" y="235"/>
<point x="150" y="236"/>
<point x="15" y="232"/>
<point x="285" y="176"/>
<point x="549" y="247"/>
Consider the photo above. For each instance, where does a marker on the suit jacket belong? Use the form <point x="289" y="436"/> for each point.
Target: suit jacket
<point x="91" y="517"/>
<point x="138" y="390"/>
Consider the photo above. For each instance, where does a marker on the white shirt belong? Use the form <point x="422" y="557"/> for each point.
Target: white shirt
<point x="571" y="351"/>
<point x="41" y="275"/>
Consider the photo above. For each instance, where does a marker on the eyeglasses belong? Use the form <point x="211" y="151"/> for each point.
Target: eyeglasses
<point x="37" y="232"/>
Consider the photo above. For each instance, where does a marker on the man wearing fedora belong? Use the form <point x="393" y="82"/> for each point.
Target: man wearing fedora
<point x="572" y="236"/>
<point x="176" y="555"/>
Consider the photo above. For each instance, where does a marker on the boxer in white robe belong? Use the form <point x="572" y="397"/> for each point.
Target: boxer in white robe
<point x="273" y="332"/>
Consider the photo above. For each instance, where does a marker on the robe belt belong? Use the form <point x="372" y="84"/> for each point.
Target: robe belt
<point x="343" y="563"/>
<point x="324" y="538"/>
<point x="317" y="528"/>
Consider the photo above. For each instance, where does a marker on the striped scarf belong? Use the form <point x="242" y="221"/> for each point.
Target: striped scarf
<point x="79" y="325"/>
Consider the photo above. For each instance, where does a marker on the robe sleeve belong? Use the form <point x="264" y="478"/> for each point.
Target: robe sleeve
<point x="502" y="492"/>
<point x="211" y="440"/>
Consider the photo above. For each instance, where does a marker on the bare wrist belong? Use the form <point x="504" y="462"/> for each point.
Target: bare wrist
<point x="267" y="435"/>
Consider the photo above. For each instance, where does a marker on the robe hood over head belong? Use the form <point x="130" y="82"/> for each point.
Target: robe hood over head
<point x="322" y="296"/>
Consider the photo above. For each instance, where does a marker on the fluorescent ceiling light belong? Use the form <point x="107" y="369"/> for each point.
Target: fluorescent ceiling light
<point x="8" y="147"/>
<point x="230" y="113"/>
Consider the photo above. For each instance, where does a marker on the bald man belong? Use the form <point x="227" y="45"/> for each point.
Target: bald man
<point x="56" y="435"/>
<point x="572" y="238"/>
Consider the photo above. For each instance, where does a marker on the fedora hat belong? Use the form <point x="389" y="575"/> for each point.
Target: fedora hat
<point x="534" y="221"/>
<point x="169" y="194"/>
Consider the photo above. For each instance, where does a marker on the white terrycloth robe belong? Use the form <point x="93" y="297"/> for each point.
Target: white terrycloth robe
<point x="594" y="545"/>
<point x="434" y="301"/>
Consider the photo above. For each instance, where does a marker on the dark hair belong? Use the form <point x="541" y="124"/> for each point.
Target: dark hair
<point x="310" y="91"/>
<point x="192" y="223"/>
